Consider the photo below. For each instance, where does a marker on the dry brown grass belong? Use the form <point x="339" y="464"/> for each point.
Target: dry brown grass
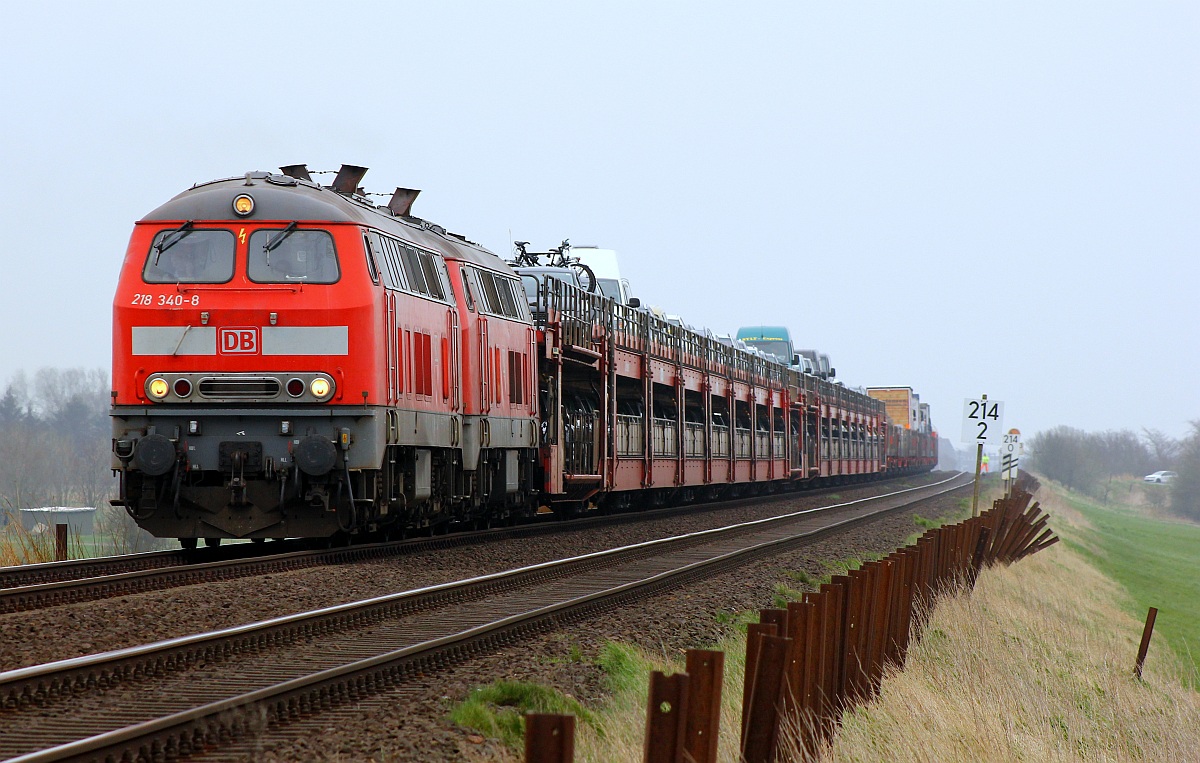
<point x="621" y="735"/>
<point x="1035" y="665"/>
<point x="20" y="546"/>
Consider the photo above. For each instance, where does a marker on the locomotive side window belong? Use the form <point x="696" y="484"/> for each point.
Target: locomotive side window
<point x="432" y="277"/>
<point x="504" y="286"/>
<point x="412" y="269"/>
<point x="390" y="252"/>
<point x="466" y="282"/>
<point x="187" y="255"/>
<point x="500" y="295"/>
<point x="288" y="255"/>
<point x="371" y="263"/>
<point x="491" y="297"/>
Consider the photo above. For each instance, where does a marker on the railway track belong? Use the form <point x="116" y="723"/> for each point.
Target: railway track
<point x="184" y="695"/>
<point x="38" y="586"/>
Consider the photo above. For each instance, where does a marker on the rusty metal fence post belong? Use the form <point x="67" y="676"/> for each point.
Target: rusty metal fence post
<point x="666" y="717"/>
<point x="776" y="617"/>
<point x="707" y="672"/>
<point x="762" y="720"/>
<point x="977" y="561"/>
<point x="549" y="738"/>
<point x="807" y="664"/>
<point x="755" y="633"/>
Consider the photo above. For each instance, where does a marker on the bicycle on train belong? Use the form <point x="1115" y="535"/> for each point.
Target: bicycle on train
<point x="558" y="257"/>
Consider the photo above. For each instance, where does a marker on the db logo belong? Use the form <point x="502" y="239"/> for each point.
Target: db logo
<point x="239" y="341"/>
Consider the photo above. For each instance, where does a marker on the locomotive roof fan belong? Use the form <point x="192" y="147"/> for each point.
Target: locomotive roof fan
<point x="348" y="178"/>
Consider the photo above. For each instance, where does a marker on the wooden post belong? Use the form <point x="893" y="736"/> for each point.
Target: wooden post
<point x="978" y="467"/>
<point x="549" y="738"/>
<point x="1145" y="645"/>
<point x="60" y="543"/>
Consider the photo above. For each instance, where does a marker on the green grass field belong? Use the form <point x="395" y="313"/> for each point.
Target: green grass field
<point x="1157" y="561"/>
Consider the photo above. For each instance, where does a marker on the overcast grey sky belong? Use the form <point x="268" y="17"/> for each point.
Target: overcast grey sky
<point x="966" y="198"/>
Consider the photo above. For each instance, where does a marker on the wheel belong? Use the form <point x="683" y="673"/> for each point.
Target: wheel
<point x="586" y="277"/>
<point x="212" y="542"/>
<point x="187" y="543"/>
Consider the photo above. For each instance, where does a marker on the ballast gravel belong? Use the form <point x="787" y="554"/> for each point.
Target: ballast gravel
<point x="409" y="724"/>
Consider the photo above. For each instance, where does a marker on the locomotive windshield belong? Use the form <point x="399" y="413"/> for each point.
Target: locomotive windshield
<point x="190" y="256"/>
<point x="293" y="255"/>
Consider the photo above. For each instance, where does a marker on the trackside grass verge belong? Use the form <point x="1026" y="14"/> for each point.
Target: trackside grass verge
<point x="1037" y="664"/>
<point x="615" y="731"/>
<point x="1157" y="559"/>
<point x="497" y="710"/>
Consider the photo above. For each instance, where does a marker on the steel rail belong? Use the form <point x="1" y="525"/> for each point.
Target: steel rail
<point x="296" y="696"/>
<point x="72" y="569"/>
<point x="52" y="584"/>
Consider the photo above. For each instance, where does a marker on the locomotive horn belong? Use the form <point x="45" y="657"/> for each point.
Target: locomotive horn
<point x="348" y="178"/>
<point x="402" y="201"/>
<point x="298" y="171"/>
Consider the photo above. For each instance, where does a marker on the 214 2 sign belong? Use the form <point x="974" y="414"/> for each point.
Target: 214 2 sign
<point x="983" y="421"/>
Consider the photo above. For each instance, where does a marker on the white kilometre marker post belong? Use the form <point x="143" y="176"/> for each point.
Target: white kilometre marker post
<point x="983" y="422"/>
<point x="1010" y="458"/>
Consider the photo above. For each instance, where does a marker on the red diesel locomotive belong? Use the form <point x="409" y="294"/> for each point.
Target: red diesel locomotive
<point x="293" y="360"/>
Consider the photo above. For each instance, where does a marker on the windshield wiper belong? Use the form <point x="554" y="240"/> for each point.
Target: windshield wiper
<point x="278" y="238"/>
<point x="274" y="242"/>
<point x="163" y="245"/>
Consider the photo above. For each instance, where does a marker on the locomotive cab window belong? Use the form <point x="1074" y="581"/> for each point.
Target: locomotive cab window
<point x="287" y="255"/>
<point x="187" y="255"/>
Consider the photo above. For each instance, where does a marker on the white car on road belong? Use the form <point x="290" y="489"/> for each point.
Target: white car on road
<point x="1160" y="477"/>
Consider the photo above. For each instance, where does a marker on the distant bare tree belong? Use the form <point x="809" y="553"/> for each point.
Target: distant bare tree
<point x="1063" y="454"/>
<point x="29" y="470"/>
<point x="55" y="439"/>
<point x="1185" y="489"/>
<point x="1119" y="453"/>
<point x="1163" y="449"/>
<point x="1088" y="461"/>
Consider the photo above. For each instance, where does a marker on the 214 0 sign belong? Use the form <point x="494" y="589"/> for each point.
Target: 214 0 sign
<point x="983" y="421"/>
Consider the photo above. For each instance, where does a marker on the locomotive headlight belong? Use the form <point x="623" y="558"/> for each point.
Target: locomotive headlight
<point x="243" y="205"/>
<point x="320" y="388"/>
<point x="158" y="388"/>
